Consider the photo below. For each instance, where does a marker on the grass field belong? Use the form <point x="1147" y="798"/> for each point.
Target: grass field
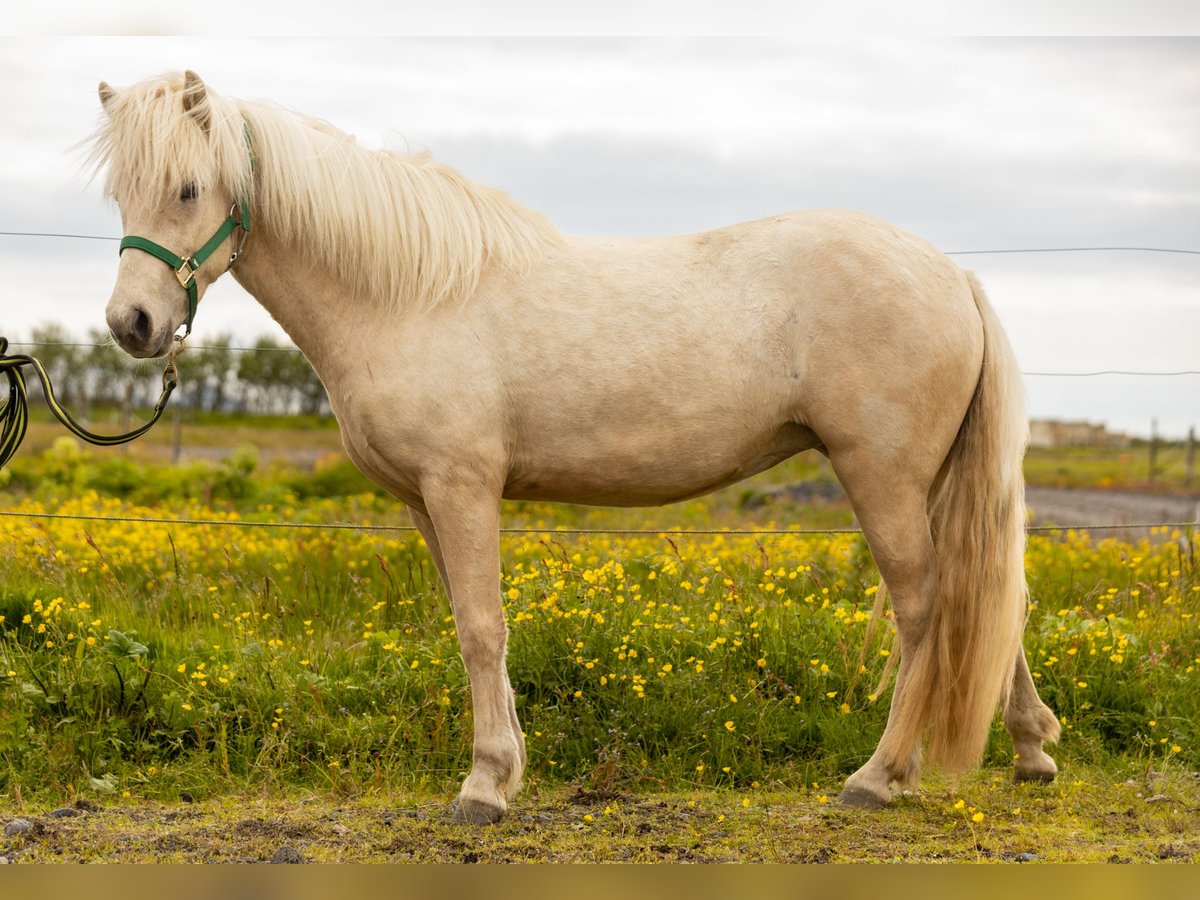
<point x="1113" y="468"/>
<point x="312" y="674"/>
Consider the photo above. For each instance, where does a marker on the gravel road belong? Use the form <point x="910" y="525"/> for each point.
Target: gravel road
<point x="1069" y="506"/>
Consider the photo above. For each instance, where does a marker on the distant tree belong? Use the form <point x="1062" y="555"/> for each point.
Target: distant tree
<point x="62" y="359"/>
<point x="277" y="378"/>
<point x="209" y="371"/>
<point x="307" y="390"/>
<point x="264" y="372"/>
<point x="273" y="377"/>
<point x="107" y="369"/>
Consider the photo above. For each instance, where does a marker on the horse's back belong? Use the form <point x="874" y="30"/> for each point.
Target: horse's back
<point x="689" y="362"/>
<point x="889" y="336"/>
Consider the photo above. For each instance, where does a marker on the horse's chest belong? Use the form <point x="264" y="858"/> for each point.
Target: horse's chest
<point x="403" y="429"/>
<point x="375" y="435"/>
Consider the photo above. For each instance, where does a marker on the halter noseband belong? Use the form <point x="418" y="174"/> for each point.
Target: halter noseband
<point x="185" y="267"/>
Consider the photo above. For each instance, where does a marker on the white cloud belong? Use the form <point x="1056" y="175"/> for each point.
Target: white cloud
<point x="662" y="17"/>
<point x="970" y="143"/>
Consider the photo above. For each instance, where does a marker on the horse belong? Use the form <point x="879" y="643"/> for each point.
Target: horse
<point x="472" y="352"/>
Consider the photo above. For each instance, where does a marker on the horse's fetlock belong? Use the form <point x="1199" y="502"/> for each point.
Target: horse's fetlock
<point x="499" y="757"/>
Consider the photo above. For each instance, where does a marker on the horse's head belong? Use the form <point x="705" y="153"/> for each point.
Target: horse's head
<point x="178" y="183"/>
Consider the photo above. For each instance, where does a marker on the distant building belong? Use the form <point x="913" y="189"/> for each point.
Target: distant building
<point x="1053" y="433"/>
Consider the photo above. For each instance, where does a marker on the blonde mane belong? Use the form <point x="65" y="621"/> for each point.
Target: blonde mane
<point x="398" y="229"/>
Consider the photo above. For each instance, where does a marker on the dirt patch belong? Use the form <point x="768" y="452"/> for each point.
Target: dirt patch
<point x="1085" y="818"/>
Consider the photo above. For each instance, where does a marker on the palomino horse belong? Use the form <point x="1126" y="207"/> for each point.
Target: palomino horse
<point x="471" y="352"/>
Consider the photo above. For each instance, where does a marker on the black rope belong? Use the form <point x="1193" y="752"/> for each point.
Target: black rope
<point x="14" y="413"/>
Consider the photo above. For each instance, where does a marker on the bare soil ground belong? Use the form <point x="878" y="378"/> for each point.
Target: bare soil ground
<point x="1083" y="817"/>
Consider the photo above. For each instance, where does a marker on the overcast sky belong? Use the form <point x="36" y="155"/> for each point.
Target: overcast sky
<point x="972" y="143"/>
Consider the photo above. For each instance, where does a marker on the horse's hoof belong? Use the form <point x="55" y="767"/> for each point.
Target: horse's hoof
<point x="475" y="812"/>
<point x="1037" y="768"/>
<point x="1033" y="776"/>
<point x="862" y="799"/>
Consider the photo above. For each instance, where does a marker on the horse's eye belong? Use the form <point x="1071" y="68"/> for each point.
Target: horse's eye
<point x="188" y="192"/>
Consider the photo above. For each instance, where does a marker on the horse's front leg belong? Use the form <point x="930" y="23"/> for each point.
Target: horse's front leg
<point x="464" y="521"/>
<point x="425" y="527"/>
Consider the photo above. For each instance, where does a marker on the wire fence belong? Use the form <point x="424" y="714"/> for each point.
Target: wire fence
<point x="80" y="345"/>
<point x="1098" y="249"/>
<point x="981" y="252"/>
<point x="528" y="530"/>
<point x="669" y="532"/>
<point x="1108" y="249"/>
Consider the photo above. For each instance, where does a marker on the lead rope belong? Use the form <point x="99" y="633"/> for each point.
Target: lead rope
<point x="14" y="413"/>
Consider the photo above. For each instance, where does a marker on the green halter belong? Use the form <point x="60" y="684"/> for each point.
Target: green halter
<point x="185" y="267"/>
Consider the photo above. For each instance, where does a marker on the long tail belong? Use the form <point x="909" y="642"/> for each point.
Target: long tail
<point x="963" y="668"/>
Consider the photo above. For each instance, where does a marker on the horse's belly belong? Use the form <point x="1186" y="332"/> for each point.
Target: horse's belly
<point x="640" y="469"/>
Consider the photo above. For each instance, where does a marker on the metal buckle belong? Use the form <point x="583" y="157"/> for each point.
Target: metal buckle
<point x="236" y="254"/>
<point x="184" y="280"/>
<point x="170" y="373"/>
<point x="235" y="213"/>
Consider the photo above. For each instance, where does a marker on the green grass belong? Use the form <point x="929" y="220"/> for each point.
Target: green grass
<point x="1112" y="468"/>
<point x="140" y="663"/>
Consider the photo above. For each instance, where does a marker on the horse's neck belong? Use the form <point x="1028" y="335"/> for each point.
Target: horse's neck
<point x="317" y="313"/>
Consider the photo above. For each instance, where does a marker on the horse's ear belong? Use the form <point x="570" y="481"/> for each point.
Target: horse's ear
<point x="107" y="95"/>
<point x="194" y="94"/>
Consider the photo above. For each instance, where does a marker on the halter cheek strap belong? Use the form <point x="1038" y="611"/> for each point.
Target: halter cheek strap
<point x="185" y="267"/>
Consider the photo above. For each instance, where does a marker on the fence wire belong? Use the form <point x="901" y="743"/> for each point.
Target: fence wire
<point x="656" y="532"/>
<point x="1099" y="249"/>
<point x="624" y="531"/>
<point x="80" y="345"/>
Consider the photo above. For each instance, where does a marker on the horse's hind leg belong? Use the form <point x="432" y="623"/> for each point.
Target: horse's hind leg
<point x="465" y="525"/>
<point x="891" y="511"/>
<point x="1029" y="722"/>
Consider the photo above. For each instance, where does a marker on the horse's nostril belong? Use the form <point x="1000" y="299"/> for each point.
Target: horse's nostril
<point x="141" y="325"/>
